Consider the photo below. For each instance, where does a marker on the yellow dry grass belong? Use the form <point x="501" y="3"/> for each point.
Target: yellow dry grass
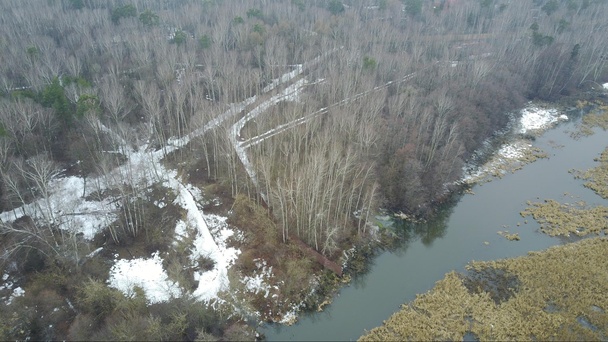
<point x="597" y="117"/>
<point x="565" y="219"/>
<point x="561" y="296"/>
<point x="597" y="177"/>
<point x="510" y="237"/>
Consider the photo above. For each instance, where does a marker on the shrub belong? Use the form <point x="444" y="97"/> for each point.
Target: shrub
<point x="123" y="12"/>
<point x="80" y="329"/>
<point x="335" y="7"/>
<point x="149" y="18"/>
<point x="97" y="299"/>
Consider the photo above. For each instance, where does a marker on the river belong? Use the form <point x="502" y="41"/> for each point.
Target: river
<point x="467" y="231"/>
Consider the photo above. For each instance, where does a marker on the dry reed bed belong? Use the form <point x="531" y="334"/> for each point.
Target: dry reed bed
<point x="597" y="177"/>
<point x="597" y="117"/>
<point x="559" y="294"/>
<point x="565" y="219"/>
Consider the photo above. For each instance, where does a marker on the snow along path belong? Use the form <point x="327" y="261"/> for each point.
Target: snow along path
<point x="233" y="110"/>
<point x="142" y="168"/>
<point x="212" y="282"/>
<point x="299" y="121"/>
<point x="72" y="212"/>
<point x="290" y="93"/>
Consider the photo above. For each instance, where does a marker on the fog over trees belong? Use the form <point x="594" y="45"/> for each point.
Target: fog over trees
<point x="320" y="111"/>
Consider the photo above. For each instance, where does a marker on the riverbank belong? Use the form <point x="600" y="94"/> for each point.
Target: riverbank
<point x="528" y="297"/>
<point x="460" y="233"/>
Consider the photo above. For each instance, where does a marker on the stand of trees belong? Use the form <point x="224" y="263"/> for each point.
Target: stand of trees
<point x="399" y="94"/>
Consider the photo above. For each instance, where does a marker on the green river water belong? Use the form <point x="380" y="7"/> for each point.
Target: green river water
<point x="467" y="231"/>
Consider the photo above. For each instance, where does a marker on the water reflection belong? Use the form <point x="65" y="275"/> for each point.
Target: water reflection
<point x="427" y="232"/>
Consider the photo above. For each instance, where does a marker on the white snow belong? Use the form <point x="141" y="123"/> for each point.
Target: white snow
<point x="68" y="209"/>
<point x="216" y="280"/>
<point x="7" y="287"/>
<point x="533" y="118"/>
<point x="511" y="151"/>
<point x="284" y="78"/>
<point x="536" y="118"/>
<point x="17" y="292"/>
<point x="95" y="252"/>
<point x="605" y="85"/>
<point x="259" y="281"/>
<point x="147" y="274"/>
<point x="291" y="316"/>
<point x="181" y="230"/>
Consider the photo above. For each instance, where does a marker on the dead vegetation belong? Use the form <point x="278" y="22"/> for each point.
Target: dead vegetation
<point x="500" y="165"/>
<point x="597" y="177"/>
<point x="510" y="237"/>
<point x="597" y="117"/>
<point x="535" y="297"/>
<point x="579" y="219"/>
<point x="565" y="219"/>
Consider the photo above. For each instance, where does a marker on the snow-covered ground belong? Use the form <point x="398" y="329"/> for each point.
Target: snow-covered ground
<point x="533" y="119"/>
<point x="8" y="290"/>
<point x="259" y="282"/>
<point x="147" y="274"/>
<point x="605" y="85"/>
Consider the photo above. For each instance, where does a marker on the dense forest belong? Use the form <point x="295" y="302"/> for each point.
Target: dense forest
<point x="299" y="119"/>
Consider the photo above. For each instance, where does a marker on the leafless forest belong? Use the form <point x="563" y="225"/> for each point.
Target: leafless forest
<point x="304" y="117"/>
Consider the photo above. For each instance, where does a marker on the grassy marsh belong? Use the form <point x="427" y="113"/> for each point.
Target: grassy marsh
<point x="597" y="177"/>
<point x="556" y="294"/>
<point x="564" y="219"/>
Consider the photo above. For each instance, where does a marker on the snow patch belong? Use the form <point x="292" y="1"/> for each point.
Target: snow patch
<point x="181" y="230"/>
<point x="291" y="316"/>
<point x="7" y="288"/>
<point x="259" y="281"/>
<point x="147" y="274"/>
<point x="536" y="118"/>
<point x="533" y="119"/>
<point x="210" y="283"/>
<point x="512" y="151"/>
<point x="605" y="85"/>
<point x="68" y="209"/>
